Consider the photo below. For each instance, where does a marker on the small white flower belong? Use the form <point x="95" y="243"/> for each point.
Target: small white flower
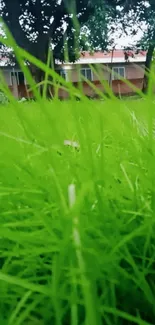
<point x="72" y="144"/>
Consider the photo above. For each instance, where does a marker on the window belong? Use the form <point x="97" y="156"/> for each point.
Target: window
<point x="87" y="73"/>
<point x="21" y="78"/>
<point x="19" y="75"/>
<point x="62" y="73"/>
<point x="118" y="72"/>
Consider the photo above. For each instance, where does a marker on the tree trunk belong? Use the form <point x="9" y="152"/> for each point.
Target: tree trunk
<point x="43" y="54"/>
<point x="110" y="75"/>
<point x="148" y="63"/>
<point x="39" y="77"/>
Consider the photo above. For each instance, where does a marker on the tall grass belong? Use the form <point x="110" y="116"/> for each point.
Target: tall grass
<point x="77" y="243"/>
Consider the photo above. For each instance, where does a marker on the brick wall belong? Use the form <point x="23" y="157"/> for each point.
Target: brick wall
<point x="118" y="87"/>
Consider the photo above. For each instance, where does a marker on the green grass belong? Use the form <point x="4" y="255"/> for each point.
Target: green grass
<point x="80" y="255"/>
<point x="77" y="228"/>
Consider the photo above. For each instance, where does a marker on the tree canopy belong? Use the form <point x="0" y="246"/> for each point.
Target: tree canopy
<point x="135" y="14"/>
<point x="96" y="29"/>
<point x="35" y="24"/>
<point x="124" y="17"/>
<point x="38" y="24"/>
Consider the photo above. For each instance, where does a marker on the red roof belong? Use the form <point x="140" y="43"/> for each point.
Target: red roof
<point x="116" y="54"/>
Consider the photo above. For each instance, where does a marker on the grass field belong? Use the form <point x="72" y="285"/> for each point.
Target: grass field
<point x="77" y="228"/>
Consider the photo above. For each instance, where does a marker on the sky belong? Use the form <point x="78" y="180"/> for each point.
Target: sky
<point x="127" y="40"/>
<point x="124" y="40"/>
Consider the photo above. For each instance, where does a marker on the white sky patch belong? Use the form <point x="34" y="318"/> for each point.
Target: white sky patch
<point x="125" y="40"/>
<point x="121" y="39"/>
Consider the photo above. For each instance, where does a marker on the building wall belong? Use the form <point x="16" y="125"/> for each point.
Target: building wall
<point x="73" y="71"/>
<point x="7" y="76"/>
<point x="73" y="75"/>
<point x="101" y="73"/>
<point x="119" y="88"/>
<point x="134" y="73"/>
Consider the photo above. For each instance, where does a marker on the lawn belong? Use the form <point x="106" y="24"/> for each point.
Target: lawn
<point x="77" y="227"/>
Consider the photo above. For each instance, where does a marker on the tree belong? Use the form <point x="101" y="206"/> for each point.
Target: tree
<point x="38" y="24"/>
<point x="95" y="32"/>
<point x="132" y="15"/>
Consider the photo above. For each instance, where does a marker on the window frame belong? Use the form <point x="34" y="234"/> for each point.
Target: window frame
<point x="114" y="77"/>
<point x="86" y="69"/>
<point x="63" y="72"/>
<point x="16" y="73"/>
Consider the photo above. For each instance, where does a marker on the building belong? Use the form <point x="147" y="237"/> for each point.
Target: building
<point x="100" y="68"/>
<point x="110" y="65"/>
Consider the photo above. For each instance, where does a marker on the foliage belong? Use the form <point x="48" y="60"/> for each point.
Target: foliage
<point x="37" y="24"/>
<point x="95" y="32"/>
<point x="135" y="14"/>
<point x="77" y="237"/>
<point x="88" y="263"/>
